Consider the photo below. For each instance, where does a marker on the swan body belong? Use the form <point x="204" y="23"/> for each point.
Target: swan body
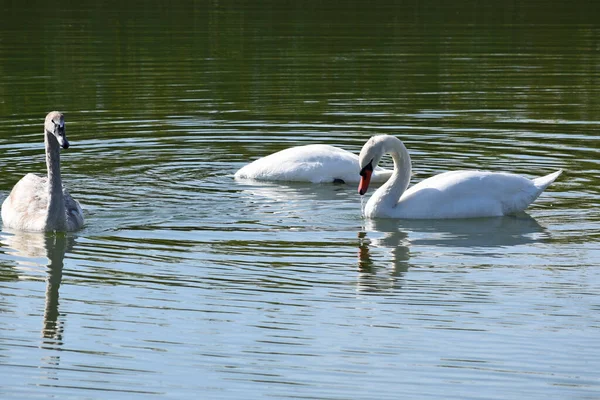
<point x="316" y="163"/>
<point x="42" y="204"/>
<point x="455" y="194"/>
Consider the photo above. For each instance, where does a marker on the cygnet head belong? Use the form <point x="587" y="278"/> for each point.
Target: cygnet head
<point x="369" y="158"/>
<point x="55" y="125"/>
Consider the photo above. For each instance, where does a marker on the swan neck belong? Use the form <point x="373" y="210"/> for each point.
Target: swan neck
<point x="56" y="219"/>
<point x="387" y="196"/>
<point x="402" y="170"/>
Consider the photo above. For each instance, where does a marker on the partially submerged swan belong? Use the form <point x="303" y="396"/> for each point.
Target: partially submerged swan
<point x="41" y="203"/>
<point x="456" y="194"/>
<point x="316" y="163"/>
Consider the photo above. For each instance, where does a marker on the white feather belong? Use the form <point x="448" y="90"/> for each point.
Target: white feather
<point x="316" y="163"/>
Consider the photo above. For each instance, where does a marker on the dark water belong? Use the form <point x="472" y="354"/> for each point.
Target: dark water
<point x="185" y="282"/>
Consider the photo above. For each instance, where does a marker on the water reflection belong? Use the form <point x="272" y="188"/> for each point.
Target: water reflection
<point x="393" y="238"/>
<point x="373" y="275"/>
<point x="491" y="233"/>
<point x="299" y="205"/>
<point x="26" y="246"/>
<point x="487" y="237"/>
<point x="293" y="191"/>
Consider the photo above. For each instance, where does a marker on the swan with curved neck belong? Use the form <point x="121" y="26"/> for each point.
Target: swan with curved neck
<point x="315" y="163"/>
<point x="41" y="203"/>
<point x="455" y="194"/>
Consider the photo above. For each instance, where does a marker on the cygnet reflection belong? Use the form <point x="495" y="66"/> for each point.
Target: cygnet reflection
<point x="31" y="250"/>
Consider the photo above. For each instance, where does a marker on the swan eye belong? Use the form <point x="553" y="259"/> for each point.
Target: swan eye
<point x="59" y="127"/>
<point x="368" y="167"/>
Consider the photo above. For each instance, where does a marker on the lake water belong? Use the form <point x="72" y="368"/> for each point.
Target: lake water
<point x="187" y="283"/>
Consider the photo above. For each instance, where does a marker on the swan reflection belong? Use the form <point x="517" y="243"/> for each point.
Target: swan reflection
<point x="383" y="235"/>
<point x="385" y="246"/>
<point x="49" y="249"/>
<point x="491" y="233"/>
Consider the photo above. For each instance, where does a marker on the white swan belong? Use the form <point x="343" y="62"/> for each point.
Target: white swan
<point x="42" y="204"/>
<point x="316" y="163"/>
<point x="457" y="194"/>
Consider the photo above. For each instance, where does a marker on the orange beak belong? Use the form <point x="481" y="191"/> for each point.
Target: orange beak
<point x="365" y="179"/>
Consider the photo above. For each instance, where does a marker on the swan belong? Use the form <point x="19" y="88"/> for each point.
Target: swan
<point x="455" y="194"/>
<point x="41" y="203"/>
<point x="315" y="163"/>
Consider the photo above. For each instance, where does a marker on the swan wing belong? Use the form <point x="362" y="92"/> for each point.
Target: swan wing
<point x="26" y="204"/>
<point x="468" y="194"/>
<point x="74" y="212"/>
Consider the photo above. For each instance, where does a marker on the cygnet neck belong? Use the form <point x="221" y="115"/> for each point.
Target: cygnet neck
<point x="56" y="217"/>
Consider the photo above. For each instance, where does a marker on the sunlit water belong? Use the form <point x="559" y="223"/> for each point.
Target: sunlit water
<point x="186" y="282"/>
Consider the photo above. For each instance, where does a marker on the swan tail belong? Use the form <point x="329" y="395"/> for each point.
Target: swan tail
<point x="544" y="181"/>
<point x="521" y="202"/>
<point x="541" y="184"/>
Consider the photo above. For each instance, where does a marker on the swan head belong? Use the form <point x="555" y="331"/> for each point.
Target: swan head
<point x="368" y="159"/>
<point x="55" y="125"/>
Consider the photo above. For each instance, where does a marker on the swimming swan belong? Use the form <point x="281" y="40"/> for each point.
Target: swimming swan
<point x="42" y="204"/>
<point x="456" y="194"/>
<point x="316" y="163"/>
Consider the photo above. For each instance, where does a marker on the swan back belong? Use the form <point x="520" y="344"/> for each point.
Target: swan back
<point x="315" y="163"/>
<point x="469" y="194"/>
